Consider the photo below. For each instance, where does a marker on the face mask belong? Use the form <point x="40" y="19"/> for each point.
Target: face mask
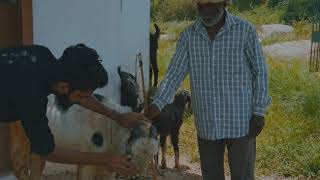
<point x="211" y="21"/>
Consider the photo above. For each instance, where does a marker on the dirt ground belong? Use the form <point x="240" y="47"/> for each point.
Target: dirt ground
<point x="190" y="171"/>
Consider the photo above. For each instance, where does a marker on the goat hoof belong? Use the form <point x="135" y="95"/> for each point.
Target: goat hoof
<point x="163" y="166"/>
<point x="177" y="167"/>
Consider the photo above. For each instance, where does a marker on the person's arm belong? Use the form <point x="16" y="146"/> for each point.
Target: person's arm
<point x="177" y="70"/>
<point x="126" y="120"/>
<point x="112" y="162"/>
<point x="259" y="72"/>
<point x="35" y="124"/>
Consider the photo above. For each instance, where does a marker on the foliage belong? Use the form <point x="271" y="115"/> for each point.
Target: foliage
<point x="277" y="3"/>
<point x="170" y="10"/>
<point x="298" y="10"/>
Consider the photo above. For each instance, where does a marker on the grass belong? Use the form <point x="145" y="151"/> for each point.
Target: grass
<point x="260" y="15"/>
<point x="290" y="143"/>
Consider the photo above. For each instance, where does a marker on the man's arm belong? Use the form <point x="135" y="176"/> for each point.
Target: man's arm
<point x="177" y="70"/>
<point x="35" y="124"/>
<point x="126" y="120"/>
<point x="259" y="72"/>
<point x="112" y="162"/>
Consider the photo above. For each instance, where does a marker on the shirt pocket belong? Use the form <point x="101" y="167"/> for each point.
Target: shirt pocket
<point x="232" y="61"/>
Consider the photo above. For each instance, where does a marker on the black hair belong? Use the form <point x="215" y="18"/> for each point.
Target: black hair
<point x="81" y="67"/>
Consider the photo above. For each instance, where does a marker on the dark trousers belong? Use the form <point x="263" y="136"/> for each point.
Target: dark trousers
<point x="241" y="156"/>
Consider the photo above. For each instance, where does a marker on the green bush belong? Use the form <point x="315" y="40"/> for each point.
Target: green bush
<point x="276" y="3"/>
<point x="298" y="10"/>
<point x="257" y="16"/>
<point x="171" y="10"/>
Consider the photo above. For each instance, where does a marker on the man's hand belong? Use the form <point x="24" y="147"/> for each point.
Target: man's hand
<point x="127" y="120"/>
<point x="130" y="120"/>
<point x="111" y="161"/>
<point x="256" y="125"/>
<point x="152" y="111"/>
<point x="120" y="164"/>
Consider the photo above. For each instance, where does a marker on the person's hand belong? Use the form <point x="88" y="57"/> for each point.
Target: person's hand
<point x="256" y="125"/>
<point x="130" y="120"/>
<point x="152" y="112"/>
<point x="120" y="164"/>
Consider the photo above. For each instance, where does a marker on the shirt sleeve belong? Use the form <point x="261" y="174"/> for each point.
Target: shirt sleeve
<point x="177" y="70"/>
<point x="259" y="71"/>
<point x="35" y="123"/>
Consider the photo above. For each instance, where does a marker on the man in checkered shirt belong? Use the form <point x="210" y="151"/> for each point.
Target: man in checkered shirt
<point x="229" y="82"/>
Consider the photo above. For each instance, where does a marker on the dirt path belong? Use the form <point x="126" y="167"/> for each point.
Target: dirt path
<point x="292" y="49"/>
<point x="190" y="171"/>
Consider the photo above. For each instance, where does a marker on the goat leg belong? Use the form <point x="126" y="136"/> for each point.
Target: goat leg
<point x="175" y="144"/>
<point x="176" y="157"/>
<point x="163" y="139"/>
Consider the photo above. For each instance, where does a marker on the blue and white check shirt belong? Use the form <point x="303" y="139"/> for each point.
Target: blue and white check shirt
<point x="228" y="77"/>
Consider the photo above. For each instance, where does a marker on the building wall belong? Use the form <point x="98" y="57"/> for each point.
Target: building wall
<point x="117" y="29"/>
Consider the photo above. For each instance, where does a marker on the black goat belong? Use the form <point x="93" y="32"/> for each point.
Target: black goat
<point x="129" y="90"/>
<point x="154" y="38"/>
<point x="169" y="121"/>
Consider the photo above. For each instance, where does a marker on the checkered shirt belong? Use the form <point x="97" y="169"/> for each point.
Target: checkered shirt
<point x="228" y="77"/>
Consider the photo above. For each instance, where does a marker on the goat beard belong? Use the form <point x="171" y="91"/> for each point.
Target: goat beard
<point x="62" y="102"/>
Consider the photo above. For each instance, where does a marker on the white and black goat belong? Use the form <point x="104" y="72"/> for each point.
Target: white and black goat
<point x="88" y="131"/>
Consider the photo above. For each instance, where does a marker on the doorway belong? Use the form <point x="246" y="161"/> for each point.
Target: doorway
<point x="15" y="22"/>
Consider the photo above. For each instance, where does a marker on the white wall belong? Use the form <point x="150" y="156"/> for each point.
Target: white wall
<point x="117" y="29"/>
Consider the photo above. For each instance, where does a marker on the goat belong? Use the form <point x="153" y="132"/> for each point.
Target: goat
<point x="169" y="121"/>
<point x="87" y="131"/>
<point x="154" y="39"/>
<point x="129" y="90"/>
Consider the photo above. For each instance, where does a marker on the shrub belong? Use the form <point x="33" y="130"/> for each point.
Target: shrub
<point x="276" y="3"/>
<point x="170" y="10"/>
<point x="298" y="10"/>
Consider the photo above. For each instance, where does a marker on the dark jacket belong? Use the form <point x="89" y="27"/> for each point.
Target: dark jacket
<point x="25" y="74"/>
